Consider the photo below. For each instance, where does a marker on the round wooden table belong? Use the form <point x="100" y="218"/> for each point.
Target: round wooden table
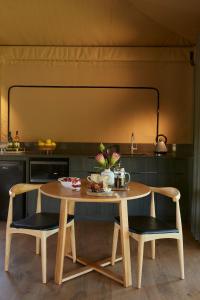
<point x="67" y="197"/>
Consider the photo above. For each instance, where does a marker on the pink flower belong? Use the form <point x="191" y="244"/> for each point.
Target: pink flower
<point x="114" y="158"/>
<point x="100" y="159"/>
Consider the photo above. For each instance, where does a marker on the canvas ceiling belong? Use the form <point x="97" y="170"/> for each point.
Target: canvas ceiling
<point x="108" y="42"/>
<point x="99" y="23"/>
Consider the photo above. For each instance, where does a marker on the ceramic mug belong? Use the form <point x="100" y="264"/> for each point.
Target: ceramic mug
<point x="94" y="178"/>
<point x="100" y="178"/>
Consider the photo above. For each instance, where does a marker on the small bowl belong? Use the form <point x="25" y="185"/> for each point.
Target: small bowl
<point x="73" y="183"/>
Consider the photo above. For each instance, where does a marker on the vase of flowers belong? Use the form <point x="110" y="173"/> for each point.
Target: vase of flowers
<point x="110" y="176"/>
<point x="107" y="159"/>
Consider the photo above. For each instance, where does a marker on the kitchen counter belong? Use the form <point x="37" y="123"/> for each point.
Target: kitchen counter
<point x="57" y="154"/>
<point x="91" y="149"/>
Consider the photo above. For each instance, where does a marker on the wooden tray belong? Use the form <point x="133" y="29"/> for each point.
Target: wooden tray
<point x="101" y="194"/>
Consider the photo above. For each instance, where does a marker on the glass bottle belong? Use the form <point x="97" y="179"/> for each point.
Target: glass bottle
<point x="133" y="143"/>
<point x="17" y="139"/>
<point x="10" y="139"/>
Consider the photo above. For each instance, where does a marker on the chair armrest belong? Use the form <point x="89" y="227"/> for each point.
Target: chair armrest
<point x="21" y="188"/>
<point x="170" y="192"/>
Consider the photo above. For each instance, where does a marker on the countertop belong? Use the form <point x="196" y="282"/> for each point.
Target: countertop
<point x="59" y="154"/>
<point x="91" y="149"/>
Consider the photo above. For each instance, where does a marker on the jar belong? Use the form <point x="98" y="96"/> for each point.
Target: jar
<point x="121" y="178"/>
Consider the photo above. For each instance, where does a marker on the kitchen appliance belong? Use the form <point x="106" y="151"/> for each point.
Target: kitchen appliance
<point x="11" y="173"/>
<point x="43" y="170"/>
<point x="161" y="141"/>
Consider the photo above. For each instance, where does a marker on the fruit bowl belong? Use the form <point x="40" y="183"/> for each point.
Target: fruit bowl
<point x="47" y="148"/>
<point x="47" y="145"/>
<point x="73" y="183"/>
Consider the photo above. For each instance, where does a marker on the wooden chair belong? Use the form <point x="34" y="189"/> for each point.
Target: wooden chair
<point x="41" y="225"/>
<point x="149" y="228"/>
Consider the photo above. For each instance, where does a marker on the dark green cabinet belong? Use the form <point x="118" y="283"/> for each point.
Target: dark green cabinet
<point x="161" y="171"/>
<point x="150" y="170"/>
<point x="49" y="204"/>
<point x="153" y="171"/>
<point x="11" y="173"/>
<point x="82" y="166"/>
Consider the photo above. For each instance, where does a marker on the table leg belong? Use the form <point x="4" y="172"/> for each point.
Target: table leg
<point x="68" y="248"/>
<point x="60" y="252"/>
<point x="125" y="243"/>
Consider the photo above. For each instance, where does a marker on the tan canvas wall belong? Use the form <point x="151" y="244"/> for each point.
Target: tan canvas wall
<point x="83" y="114"/>
<point x="168" y="70"/>
<point x="99" y="22"/>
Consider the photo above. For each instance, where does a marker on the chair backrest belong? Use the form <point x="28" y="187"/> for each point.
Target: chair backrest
<point x="171" y="193"/>
<point x="18" y="189"/>
<point x="21" y="188"/>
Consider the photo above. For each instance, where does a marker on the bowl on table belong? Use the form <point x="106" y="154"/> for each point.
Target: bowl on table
<point x="73" y="183"/>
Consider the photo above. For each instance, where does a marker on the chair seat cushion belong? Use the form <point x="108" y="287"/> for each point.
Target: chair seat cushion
<point x="40" y="221"/>
<point x="148" y="225"/>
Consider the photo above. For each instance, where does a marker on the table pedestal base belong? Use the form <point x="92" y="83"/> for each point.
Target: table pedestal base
<point x="98" y="266"/>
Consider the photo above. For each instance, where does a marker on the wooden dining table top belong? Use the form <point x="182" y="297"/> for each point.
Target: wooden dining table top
<point x="56" y="190"/>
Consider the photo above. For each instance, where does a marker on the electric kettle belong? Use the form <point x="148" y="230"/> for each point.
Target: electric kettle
<point x="161" y="141"/>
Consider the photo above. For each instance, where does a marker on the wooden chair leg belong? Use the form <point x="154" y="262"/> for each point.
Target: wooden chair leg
<point x="140" y="262"/>
<point x="73" y="242"/>
<point x="44" y="258"/>
<point x="181" y="256"/>
<point x="153" y="249"/>
<point x="114" y="244"/>
<point x="7" y="250"/>
<point x="37" y="245"/>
